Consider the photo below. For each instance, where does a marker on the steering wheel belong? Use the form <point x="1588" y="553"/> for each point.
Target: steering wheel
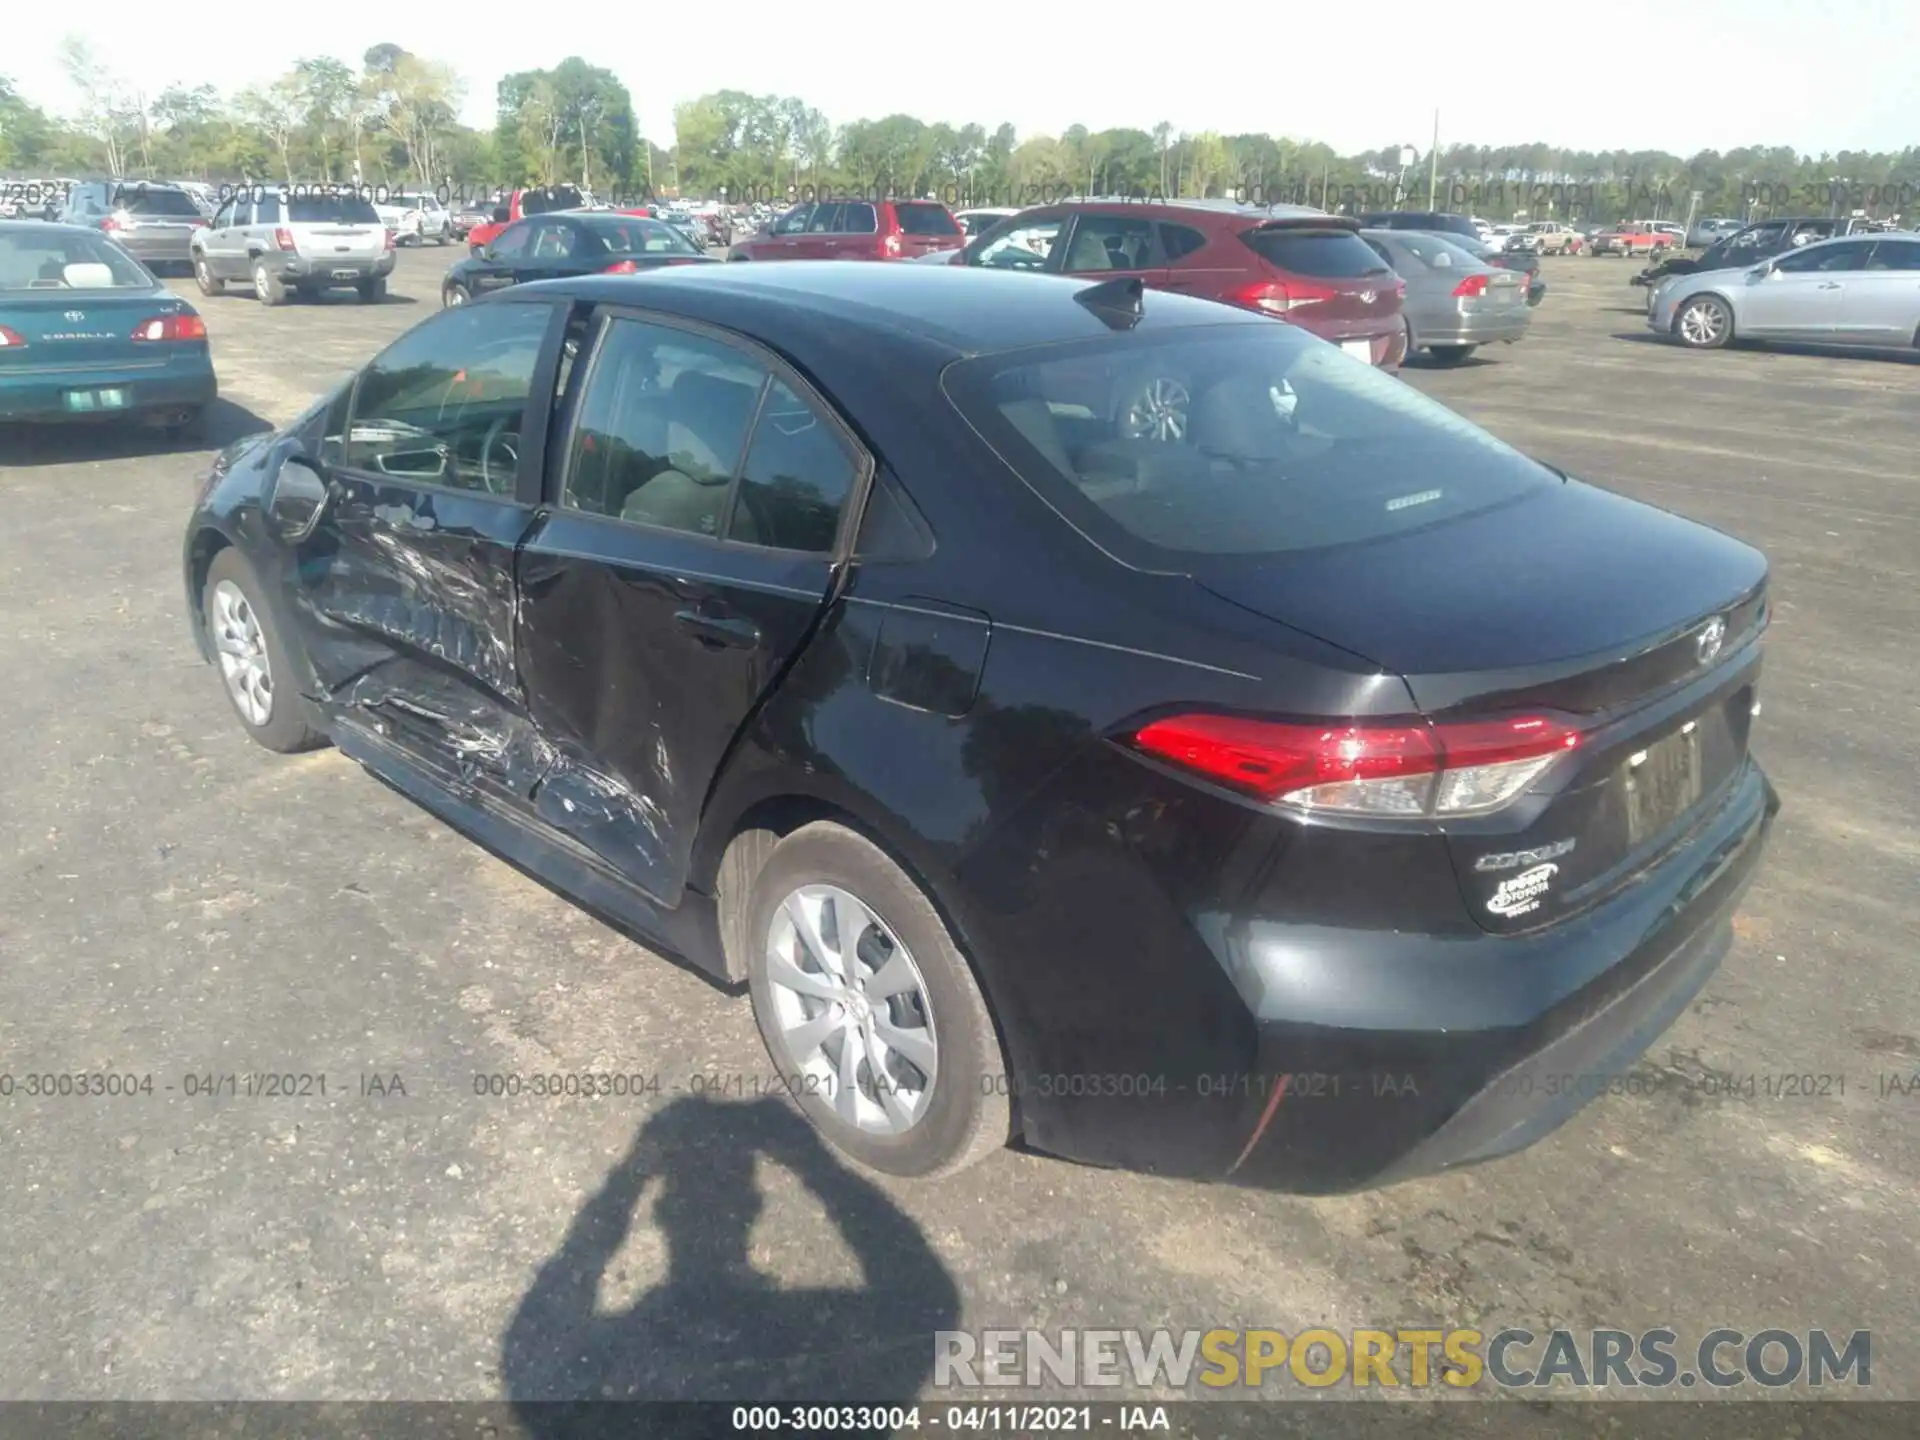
<point x="496" y="439"/>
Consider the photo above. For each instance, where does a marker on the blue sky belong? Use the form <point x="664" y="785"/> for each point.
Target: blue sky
<point x="1678" y="75"/>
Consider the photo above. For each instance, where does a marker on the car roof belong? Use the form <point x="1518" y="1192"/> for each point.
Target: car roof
<point x="50" y="225"/>
<point x="951" y="310"/>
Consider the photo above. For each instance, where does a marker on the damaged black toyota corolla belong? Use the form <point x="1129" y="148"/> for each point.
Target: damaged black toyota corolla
<point x="1102" y="717"/>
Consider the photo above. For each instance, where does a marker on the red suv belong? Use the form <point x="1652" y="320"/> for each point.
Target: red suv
<point x="1303" y="266"/>
<point x="855" y="230"/>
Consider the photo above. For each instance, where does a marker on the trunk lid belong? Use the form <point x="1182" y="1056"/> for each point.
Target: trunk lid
<point x="1642" y="625"/>
<point x="82" y="329"/>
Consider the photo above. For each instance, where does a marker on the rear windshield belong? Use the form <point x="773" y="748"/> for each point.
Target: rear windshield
<point x="1327" y="254"/>
<point x="1236" y="441"/>
<point x="332" y="210"/>
<point x="144" y="200"/>
<point x="543" y="202"/>
<point x="924" y="219"/>
<point x="52" y="260"/>
<point x="1436" y="252"/>
<point x="633" y="236"/>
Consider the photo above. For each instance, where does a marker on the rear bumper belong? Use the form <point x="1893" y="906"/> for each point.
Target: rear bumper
<point x="1320" y="1059"/>
<point x="176" y="386"/>
<point x="337" y="270"/>
<point x="1459" y="329"/>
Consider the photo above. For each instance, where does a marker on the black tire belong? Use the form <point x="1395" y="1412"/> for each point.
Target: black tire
<point x="268" y="287"/>
<point x="204" y="277"/>
<point x="372" y="290"/>
<point x="286" y="731"/>
<point x="441" y="238"/>
<point x="1450" y="354"/>
<point x="1716" y="330"/>
<point x="454" y="294"/>
<point x="966" y="1114"/>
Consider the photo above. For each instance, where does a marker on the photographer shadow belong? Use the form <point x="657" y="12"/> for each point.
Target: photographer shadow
<point x="717" y="1329"/>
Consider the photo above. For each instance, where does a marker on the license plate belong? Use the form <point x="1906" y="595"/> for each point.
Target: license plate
<point x="1359" y="349"/>
<point x="345" y="274"/>
<point x="83" y="401"/>
<point x="1662" y="787"/>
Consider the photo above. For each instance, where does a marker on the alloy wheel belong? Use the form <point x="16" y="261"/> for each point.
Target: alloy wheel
<point x="243" y="653"/>
<point x="1702" y="323"/>
<point x="852" y="1010"/>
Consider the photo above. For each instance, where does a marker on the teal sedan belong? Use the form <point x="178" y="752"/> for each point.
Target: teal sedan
<point x="86" y="333"/>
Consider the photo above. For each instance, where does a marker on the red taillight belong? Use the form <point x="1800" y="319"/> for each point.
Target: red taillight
<point x="113" y="222"/>
<point x="621" y="267"/>
<point x="393" y="240"/>
<point x="1277" y="297"/>
<point x="1408" y="770"/>
<point x="171" y="327"/>
<point x="1471" y="286"/>
<point x="10" y="339"/>
<point x="283" y="238"/>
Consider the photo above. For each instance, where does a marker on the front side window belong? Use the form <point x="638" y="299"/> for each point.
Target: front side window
<point x="445" y="403"/>
<point x="511" y="243"/>
<point x="1238" y="442"/>
<point x="552" y="240"/>
<point x="1847" y="255"/>
<point x="1109" y="242"/>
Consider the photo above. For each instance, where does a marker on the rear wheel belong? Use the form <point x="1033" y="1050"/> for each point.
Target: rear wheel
<point x="204" y="277"/>
<point x="868" y="1009"/>
<point x="253" y="659"/>
<point x="187" y="425"/>
<point x="1450" y="354"/>
<point x="268" y="288"/>
<point x="1703" y="323"/>
<point x="373" y="290"/>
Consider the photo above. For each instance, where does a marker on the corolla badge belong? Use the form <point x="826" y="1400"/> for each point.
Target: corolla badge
<point x="1706" y="645"/>
<point x="1524" y="892"/>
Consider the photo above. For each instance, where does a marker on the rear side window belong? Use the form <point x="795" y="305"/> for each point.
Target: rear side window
<point x="143" y="200"/>
<point x="826" y="220"/>
<point x="858" y="219"/>
<point x="1245" y="441"/>
<point x="1180" y="241"/>
<point x="797" y="477"/>
<point x="1325" y="254"/>
<point x="331" y="210"/>
<point x="924" y="219"/>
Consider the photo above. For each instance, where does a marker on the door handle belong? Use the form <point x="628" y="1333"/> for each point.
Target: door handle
<point x="717" y="630"/>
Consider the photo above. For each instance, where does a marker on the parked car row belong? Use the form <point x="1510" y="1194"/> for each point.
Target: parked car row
<point x="1859" y="290"/>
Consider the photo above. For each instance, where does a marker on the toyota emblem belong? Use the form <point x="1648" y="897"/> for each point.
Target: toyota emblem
<point x="1706" y="645"/>
<point x="76" y="315"/>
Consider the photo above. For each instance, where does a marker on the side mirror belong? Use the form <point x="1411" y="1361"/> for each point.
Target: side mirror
<point x="298" y="499"/>
<point x="1760" y="272"/>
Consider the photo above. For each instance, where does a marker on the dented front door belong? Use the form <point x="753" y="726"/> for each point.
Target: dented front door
<point x="404" y="591"/>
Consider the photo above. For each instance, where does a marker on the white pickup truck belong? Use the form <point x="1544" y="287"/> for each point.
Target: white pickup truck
<point x="415" y="218"/>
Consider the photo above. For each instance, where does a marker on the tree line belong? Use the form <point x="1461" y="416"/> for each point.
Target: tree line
<point x="392" y="119"/>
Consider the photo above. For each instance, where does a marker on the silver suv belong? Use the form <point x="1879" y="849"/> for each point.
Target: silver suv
<point x="154" y="223"/>
<point x="415" y="217"/>
<point x="305" y="243"/>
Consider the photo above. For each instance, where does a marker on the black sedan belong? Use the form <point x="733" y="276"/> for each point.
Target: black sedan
<point x="566" y="245"/>
<point x="1315" y="792"/>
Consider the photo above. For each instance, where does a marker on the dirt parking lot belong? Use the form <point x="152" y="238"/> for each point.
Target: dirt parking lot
<point x="177" y="903"/>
